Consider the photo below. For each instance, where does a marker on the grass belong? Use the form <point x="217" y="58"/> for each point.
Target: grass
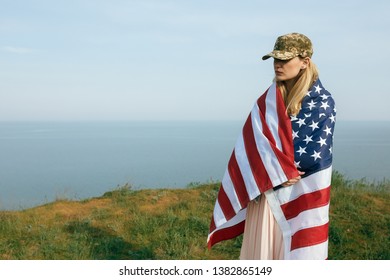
<point x="173" y="224"/>
<point x="360" y="219"/>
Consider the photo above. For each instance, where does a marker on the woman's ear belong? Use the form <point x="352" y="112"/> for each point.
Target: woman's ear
<point x="305" y="62"/>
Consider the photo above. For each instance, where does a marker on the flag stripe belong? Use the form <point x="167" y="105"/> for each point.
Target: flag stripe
<point x="230" y="229"/>
<point x="311" y="218"/>
<point x="305" y="202"/>
<point x="313" y="182"/>
<point x="219" y="217"/>
<point x="226" y="233"/>
<point x="282" y="168"/>
<point x="267" y="151"/>
<point x="238" y="181"/>
<point x="212" y="224"/>
<point x="277" y="120"/>
<point x="284" y="125"/>
<point x="269" y="105"/>
<point x="309" y="236"/>
<point x="230" y="191"/>
<point x="245" y="169"/>
<point x="255" y="161"/>
<point x="314" y="252"/>
<point x="225" y="204"/>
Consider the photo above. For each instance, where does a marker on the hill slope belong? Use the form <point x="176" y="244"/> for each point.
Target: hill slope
<point x="174" y="223"/>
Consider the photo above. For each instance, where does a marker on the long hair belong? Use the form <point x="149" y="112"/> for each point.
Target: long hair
<point x="305" y="80"/>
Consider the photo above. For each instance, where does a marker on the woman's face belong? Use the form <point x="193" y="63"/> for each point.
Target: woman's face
<point x="288" y="69"/>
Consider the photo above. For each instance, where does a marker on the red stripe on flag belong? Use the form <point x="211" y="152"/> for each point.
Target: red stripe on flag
<point x="226" y="233"/>
<point x="266" y="130"/>
<point x="309" y="237"/>
<point x="305" y="202"/>
<point x="212" y="224"/>
<point x="285" y="159"/>
<point x="238" y="181"/>
<point x="225" y="204"/>
<point x="258" y="170"/>
<point x="284" y="125"/>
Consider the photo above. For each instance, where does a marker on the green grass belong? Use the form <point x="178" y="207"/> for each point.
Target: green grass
<point x="359" y="219"/>
<point x="173" y="224"/>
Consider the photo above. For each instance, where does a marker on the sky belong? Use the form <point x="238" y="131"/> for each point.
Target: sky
<point x="89" y="60"/>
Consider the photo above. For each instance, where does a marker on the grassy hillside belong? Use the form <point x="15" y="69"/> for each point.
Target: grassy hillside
<point x="173" y="224"/>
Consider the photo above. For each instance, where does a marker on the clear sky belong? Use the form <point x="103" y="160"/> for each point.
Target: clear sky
<point x="182" y="60"/>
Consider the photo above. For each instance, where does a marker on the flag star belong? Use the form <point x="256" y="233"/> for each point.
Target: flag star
<point x="307" y="115"/>
<point x="297" y="164"/>
<point x="324" y="96"/>
<point x="328" y="130"/>
<point x="295" y="134"/>
<point x="331" y="150"/>
<point x="324" y="105"/>
<point x="322" y="141"/>
<point x="308" y="139"/>
<point x="318" y="88"/>
<point x="332" y="118"/>
<point x="308" y="93"/>
<point x="316" y="155"/>
<point x="321" y="115"/>
<point x="293" y="118"/>
<point x="301" y="122"/>
<point x="301" y="150"/>
<point x="313" y="125"/>
<point x="311" y="104"/>
<point x="334" y="109"/>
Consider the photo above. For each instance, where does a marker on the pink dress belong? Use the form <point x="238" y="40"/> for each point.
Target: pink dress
<point x="263" y="239"/>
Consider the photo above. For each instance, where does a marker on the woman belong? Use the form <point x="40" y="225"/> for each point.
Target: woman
<point x="276" y="187"/>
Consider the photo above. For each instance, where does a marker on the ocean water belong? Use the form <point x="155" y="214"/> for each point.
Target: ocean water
<point x="43" y="161"/>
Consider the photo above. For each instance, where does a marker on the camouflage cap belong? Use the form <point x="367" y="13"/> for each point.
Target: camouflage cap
<point x="291" y="45"/>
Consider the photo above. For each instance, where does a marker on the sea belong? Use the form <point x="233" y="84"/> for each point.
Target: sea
<point x="44" y="161"/>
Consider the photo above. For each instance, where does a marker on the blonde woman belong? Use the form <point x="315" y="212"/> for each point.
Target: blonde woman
<point x="276" y="188"/>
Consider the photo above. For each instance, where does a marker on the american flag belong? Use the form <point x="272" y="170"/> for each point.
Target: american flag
<point x="270" y="150"/>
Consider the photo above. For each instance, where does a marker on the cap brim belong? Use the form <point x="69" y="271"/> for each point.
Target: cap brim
<point x="280" y="55"/>
<point x="266" y="57"/>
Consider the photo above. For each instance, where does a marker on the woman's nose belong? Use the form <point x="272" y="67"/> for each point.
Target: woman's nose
<point x="277" y="63"/>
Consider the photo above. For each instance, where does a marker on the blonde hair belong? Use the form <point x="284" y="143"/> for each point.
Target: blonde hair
<point x="305" y="80"/>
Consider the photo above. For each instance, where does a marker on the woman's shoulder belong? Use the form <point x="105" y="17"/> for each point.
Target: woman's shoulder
<point x="319" y="93"/>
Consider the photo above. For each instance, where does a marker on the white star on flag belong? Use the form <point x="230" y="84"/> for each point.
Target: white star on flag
<point x="314" y="125"/>
<point x="311" y="104"/>
<point x="324" y="105"/>
<point x="322" y="141"/>
<point x="316" y="155"/>
<point x="328" y="130"/>
<point x="301" y="150"/>
<point x="318" y="88"/>
<point x="308" y="139"/>
<point x="301" y="122"/>
<point x="324" y="96"/>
